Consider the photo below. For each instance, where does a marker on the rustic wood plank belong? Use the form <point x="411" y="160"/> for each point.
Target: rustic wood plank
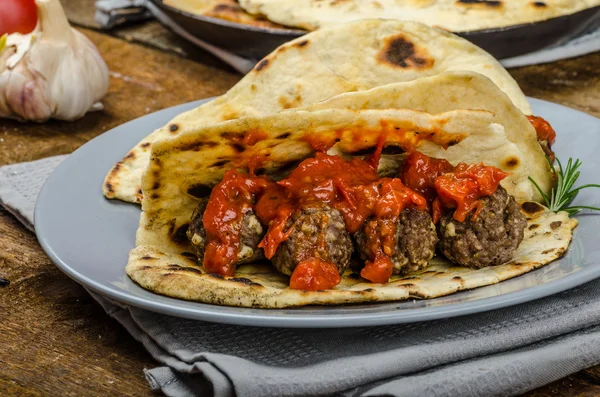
<point x="143" y="80"/>
<point x="55" y="339"/>
<point x="592" y="375"/>
<point x="150" y="33"/>
<point x="81" y="12"/>
<point x="571" y="82"/>
<point x="572" y="386"/>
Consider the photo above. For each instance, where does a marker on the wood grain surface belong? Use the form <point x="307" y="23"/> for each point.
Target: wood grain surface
<point x="54" y="339"/>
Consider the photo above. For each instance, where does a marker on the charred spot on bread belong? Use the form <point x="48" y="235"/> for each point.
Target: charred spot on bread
<point x="199" y="190"/>
<point x="262" y="65"/>
<point x="220" y="163"/>
<point x="399" y="51"/>
<point x="531" y="207"/>
<point x="485" y="3"/>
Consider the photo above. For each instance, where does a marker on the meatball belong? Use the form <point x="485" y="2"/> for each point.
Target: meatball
<point x="318" y="231"/>
<point x="251" y="234"/>
<point x="414" y="241"/>
<point x="545" y="145"/>
<point x="491" y="239"/>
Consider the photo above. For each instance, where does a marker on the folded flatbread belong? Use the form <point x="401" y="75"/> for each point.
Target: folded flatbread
<point x="345" y="58"/>
<point x="183" y="170"/>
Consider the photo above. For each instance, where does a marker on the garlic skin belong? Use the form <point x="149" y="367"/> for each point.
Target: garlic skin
<point x="53" y="72"/>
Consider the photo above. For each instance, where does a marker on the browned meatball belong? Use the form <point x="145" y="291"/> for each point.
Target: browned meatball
<point x="319" y="231"/>
<point x="415" y="241"/>
<point x="547" y="150"/>
<point x="251" y="234"/>
<point x="489" y="240"/>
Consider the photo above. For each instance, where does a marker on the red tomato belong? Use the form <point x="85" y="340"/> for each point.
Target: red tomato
<point x="17" y="16"/>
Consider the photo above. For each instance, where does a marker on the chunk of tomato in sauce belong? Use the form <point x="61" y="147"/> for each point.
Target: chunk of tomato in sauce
<point x="420" y="171"/>
<point x="315" y="274"/>
<point x="379" y="270"/>
<point x="463" y="187"/>
<point x="230" y="199"/>
<point x="543" y="129"/>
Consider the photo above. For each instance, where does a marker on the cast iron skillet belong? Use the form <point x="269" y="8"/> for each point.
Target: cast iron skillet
<point x="244" y="40"/>
<point x="506" y="42"/>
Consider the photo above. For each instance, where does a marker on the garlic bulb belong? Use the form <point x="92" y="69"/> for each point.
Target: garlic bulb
<point x="53" y="72"/>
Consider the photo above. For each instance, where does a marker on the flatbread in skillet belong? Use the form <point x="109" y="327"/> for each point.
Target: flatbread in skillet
<point x="452" y="15"/>
<point x="228" y="10"/>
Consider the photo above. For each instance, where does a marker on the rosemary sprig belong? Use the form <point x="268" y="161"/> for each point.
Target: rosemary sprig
<point x="563" y="193"/>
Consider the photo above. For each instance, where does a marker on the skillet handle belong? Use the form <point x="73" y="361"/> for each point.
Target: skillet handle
<point x="242" y="65"/>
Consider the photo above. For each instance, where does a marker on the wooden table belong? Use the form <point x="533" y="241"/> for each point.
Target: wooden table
<point x="54" y="338"/>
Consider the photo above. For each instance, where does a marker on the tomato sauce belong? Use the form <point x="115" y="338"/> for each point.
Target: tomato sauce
<point x="315" y="274"/>
<point x="251" y="138"/>
<point x="446" y="186"/>
<point x="228" y="202"/>
<point x="464" y="186"/>
<point x="544" y="130"/>
<point x="379" y="270"/>
<point x="407" y="137"/>
<point x="376" y="156"/>
<point x="324" y="178"/>
<point x="355" y="189"/>
<point x="420" y="171"/>
<point x="351" y="186"/>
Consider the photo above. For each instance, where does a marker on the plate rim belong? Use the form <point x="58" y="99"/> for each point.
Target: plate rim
<point x="269" y="317"/>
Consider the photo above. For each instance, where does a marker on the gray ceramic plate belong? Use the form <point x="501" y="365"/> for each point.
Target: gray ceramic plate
<point x="89" y="237"/>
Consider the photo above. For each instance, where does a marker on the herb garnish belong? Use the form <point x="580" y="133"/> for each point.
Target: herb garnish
<point x="562" y="195"/>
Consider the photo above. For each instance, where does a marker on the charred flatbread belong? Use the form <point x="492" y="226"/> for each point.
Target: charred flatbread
<point x="259" y="285"/>
<point x="183" y="170"/>
<point x="346" y="58"/>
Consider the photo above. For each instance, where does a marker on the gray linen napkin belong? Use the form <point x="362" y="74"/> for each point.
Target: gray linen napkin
<point x="500" y="353"/>
<point x="110" y="13"/>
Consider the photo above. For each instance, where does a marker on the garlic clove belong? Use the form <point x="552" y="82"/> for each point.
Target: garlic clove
<point x="53" y="72"/>
<point x="21" y="43"/>
<point x="24" y="92"/>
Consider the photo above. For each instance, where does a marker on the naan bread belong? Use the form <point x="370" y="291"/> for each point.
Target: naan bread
<point x="184" y="169"/>
<point x="452" y="15"/>
<point x="351" y="57"/>
<point x="229" y="10"/>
